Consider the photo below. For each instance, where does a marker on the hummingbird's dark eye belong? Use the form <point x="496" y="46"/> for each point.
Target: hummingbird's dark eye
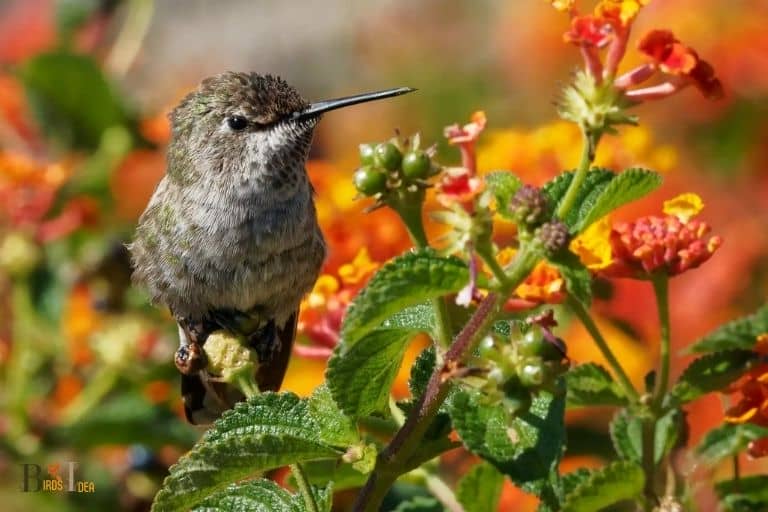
<point x="237" y="122"/>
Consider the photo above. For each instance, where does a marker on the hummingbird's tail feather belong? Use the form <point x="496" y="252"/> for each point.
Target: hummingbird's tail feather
<point x="206" y="398"/>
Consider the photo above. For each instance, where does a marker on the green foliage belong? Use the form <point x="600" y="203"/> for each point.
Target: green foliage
<point x="729" y="440"/>
<point x="711" y="372"/>
<point x="261" y="496"/>
<point x="591" y="384"/>
<point x="420" y="504"/>
<point x="602" y="192"/>
<point x="361" y="375"/>
<point x="268" y="431"/>
<point x="72" y="99"/>
<point x="739" y="334"/>
<point x="503" y="185"/>
<point x="126" y="419"/>
<point x="527" y="448"/>
<point x="748" y="494"/>
<point x="616" y="482"/>
<point x="407" y="280"/>
<point x="480" y="489"/>
<point x="627" y="432"/>
<point x="421" y="371"/>
<point x="578" y="279"/>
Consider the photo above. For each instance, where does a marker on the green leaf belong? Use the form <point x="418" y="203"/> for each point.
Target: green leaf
<point x="626" y="434"/>
<point x="267" y="431"/>
<point x="578" y="278"/>
<point x="749" y="494"/>
<point x="256" y="495"/>
<point x="420" y="504"/>
<point x="343" y="476"/>
<point x="570" y="481"/>
<point x="421" y="371"/>
<point x="711" y="372"/>
<point x="738" y="334"/>
<point x="72" y="99"/>
<point x="211" y="466"/>
<point x="590" y="384"/>
<point x="595" y="181"/>
<point x="285" y="414"/>
<point x="420" y="317"/>
<point x="480" y="489"/>
<point x="526" y="449"/>
<point x="360" y="376"/>
<point x="626" y="187"/>
<point x="614" y="483"/>
<point x="601" y="192"/>
<point x="503" y="185"/>
<point x="407" y="280"/>
<point x="261" y="496"/>
<point x="729" y="440"/>
<point x="336" y="429"/>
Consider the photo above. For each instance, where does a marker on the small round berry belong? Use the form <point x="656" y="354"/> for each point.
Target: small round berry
<point x="367" y="154"/>
<point x="416" y="165"/>
<point x="388" y="156"/>
<point x="369" y="181"/>
<point x="237" y="123"/>
<point x="533" y="343"/>
<point x="532" y="373"/>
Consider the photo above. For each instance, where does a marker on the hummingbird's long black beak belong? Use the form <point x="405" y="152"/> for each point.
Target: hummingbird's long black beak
<point x="318" y="108"/>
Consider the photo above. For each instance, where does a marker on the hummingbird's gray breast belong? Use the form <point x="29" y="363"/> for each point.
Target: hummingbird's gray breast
<point x="241" y="244"/>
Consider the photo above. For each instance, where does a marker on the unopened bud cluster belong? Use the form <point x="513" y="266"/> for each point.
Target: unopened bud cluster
<point x="391" y="165"/>
<point x="529" y="207"/>
<point x="530" y="360"/>
<point x="554" y="237"/>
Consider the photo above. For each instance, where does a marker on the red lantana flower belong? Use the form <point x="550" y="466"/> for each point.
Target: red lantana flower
<point x="672" y="57"/>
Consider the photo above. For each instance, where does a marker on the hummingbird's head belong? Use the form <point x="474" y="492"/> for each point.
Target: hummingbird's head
<point x="247" y="126"/>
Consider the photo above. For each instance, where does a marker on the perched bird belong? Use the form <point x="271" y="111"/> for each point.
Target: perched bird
<point x="230" y="240"/>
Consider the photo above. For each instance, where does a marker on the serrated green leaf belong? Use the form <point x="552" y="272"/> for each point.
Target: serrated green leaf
<point x="711" y="372"/>
<point x="407" y="280"/>
<point x="503" y="185"/>
<point x="526" y="449"/>
<point x="72" y="99"/>
<point x="601" y="192"/>
<point x="285" y="414"/>
<point x="738" y="334"/>
<point x="569" y="481"/>
<point x="594" y="183"/>
<point x="420" y="317"/>
<point x="626" y="434"/>
<point x="591" y="384"/>
<point x="343" y="476"/>
<point x="360" y="376"/>
<point x="729" y="440"/>
<point x="262" y="496"/>
<point x="480" y="489"/>
<point x="211" y="466"/>
<point x="578" y="278"/>
<point x="421" y="371"/>
<point x="336" y="429"/>
<point x="257" y="496"/>
<point x="626" y="187"/>
<point x="749" y="494"/>
<point x="614" y="483"/>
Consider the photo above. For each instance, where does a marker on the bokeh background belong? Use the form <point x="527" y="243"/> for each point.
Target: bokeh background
<point x="85" y="87"/>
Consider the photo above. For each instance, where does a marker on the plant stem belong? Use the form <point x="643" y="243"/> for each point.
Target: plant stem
<point x="409" y="210"/>
<point x="306" y="491"/>
<point x="648" y="459"/>
<point x="587" y="156"/>
<point x="602" y="345"/>
<point x="661" y="290"/>
<point x="406" y="441"/>
<point x="492" y="264"/>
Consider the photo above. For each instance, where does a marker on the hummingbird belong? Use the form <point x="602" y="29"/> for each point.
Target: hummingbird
<point x="230" y="240"/>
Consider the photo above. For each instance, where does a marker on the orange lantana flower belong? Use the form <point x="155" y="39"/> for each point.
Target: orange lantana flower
<point x="752" y="406"/>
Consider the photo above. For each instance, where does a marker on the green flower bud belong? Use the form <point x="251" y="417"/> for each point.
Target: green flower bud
<point x="228" y="358"/>
<point x="369" y="181"/>
<point x="531" y="373"/>
<point x="388" y="156"/>
<point x="416" y="165"/>
<point x="367" y="154"/>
